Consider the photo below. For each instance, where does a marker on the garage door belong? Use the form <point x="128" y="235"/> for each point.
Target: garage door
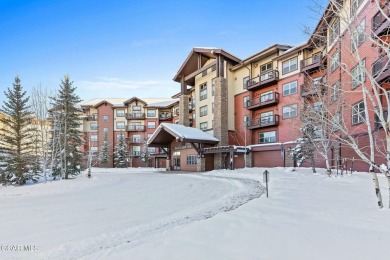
<point x="267" y="159"/>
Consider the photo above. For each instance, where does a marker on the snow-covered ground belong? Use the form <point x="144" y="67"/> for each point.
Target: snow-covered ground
<point x="149" y="214"/>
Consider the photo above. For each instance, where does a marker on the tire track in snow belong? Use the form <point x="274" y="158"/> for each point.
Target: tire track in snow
<point x="243" y="191"/>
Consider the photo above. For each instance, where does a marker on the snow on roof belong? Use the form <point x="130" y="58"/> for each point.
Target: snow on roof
<point x="183" y="132"/>
<point x="119" y="102"/>
<point x="164" y="103"/>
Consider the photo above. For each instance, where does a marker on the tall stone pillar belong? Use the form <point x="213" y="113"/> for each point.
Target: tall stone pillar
<point x="201" y="164"/>
<point x="249" y="160"/>
<point x="184" y="110"/>
<point x="220" y="125"/>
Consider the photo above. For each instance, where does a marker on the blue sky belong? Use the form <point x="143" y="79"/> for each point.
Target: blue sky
<point x="134" y="48"/>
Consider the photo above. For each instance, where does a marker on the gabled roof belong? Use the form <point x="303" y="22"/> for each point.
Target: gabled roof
<point x="167" y="133"/>
<point x="190" y="64"/>
<point x="101" y="103"/>
<point x="94" y="102"/>
<point x="164" y="104"/>
<point x="132" y="100"/>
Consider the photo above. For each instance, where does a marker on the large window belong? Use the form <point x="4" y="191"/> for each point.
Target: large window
<point x="120" y="125"/>
<point x="120" y="113"/>
<point x="334" y="62"/>
<point x="203" y="110"/>
<point x="290" y="65"/>
<point x="358" y="114"/>
<point x="265" y="67"/>
<point x="245" y="82"/>
<point x="267" y="137"/>
<point x="267" y="117"/>
<point x="94" y="138"/>
<point x="334" y="31"/>
<point x="358" y="35"/>
<point x="203" y="125"/>
<point x="191" y="159"/>
<point x="355" y="6"/>
<point x="151" y="112"/>
<point x="290" y="111"/>
<point x="136" y="108"/>
<point x="136" y="151"/>
<point x="267" y="96"/>
<point x="136" y="138"/>
<point x="151" y="125"/>
<point x="290" y="88"/>
<point x="358" y="75"/>
<point x="203" y="91"/>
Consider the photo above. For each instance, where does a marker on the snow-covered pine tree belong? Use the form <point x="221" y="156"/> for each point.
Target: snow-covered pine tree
<point x="67" y="156"/>
<point x="121" y="153"/>
<point x="16" y="137"/>
<point x="103" y="154"/>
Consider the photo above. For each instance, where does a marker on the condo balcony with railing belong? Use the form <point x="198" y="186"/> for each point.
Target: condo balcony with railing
<point x="381" y="24"/>
<point x="263" y="101"/>
<point x="135" y="116"/>
<point x="312" y="63"/>
<point x="263" y="80"/>
<point x="381" y="69"/>
<point x="165" y="116"/>
<point x="262" y="122"/>
<point x="313" y="88"/>
<point x="136" y="128"/>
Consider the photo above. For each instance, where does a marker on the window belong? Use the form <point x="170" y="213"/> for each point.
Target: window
<point x="266" y="67"/>
<point x="120" y="137"/>
<point x="212" y="87"/>
<point x="358" y="114"/>
<point x="203" y="111"/>
<point x="120" y="125"/>
<point x="335" y="122"/>
<point x="334" y="62"/>
<point x="334" y="31"/>
<point x="136" y="108"/>
<point x="136" y="151"/>
<point x="149" y="135"/>
<point x="358" y="35"/>
<point x="335" y="92"/>
<point x="120" y="113"/>
<point x="177" y="111"/>
<point x="151" y="149"/>
<point x="246" y="120"/>
<point x="93" y="126"/>
<point x="358" y="75"/>
<point x="245" y="82"/>
<point x="151" y="112"/>
<point x="94" y="149"/>
<point x="94" y="138"/>
<point x="355" y="6"/>
<point x="203" y="91"/>
<point x="203" y="125"/>
<point x="105" y="130"/>
<point x="105" y="119"/>
<point x="267" y="137"/>
<point x="136" y="138"/>
<point x="290" y="88"/>
<point x="267" y="96"/>
<point x="266" y="118"/>
<point x="246" y="99"/>
<point x="290" y="65"/>
<point x="290" y="111"/>
<point x="151" y="125"/>
<point x="191" y="159"/>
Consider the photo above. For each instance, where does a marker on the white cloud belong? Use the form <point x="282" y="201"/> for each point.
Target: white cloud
<point x="119" y="84"/>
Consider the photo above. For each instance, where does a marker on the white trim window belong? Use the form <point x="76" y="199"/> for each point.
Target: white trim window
<point x="246" y="99"/>
<point x="267" y="117"/>
<point x="335" y="92"/>
<point x="334" y="31"/>
<point x="94" y="138"/>
<point x="290" y="88"/>
<point x="93" y="126"/>
<point x="203" y="91"/>
<point x="267" y="137"/>
<point x="136" y="108"/>
<point x="358" y="113"/>
<point x="334" y="62"/>
<point x="290" y="65"/>
<point x="191" y="160"/>
<point x="203" y="125"/>
<point x="358" y="35"/>
<point x="203" y="110"/>
<point x="267" y="96"/>
<point x="151" y="125"/>
<point x="120" y="125"/>
<point x="120" y="113"/>
<point x="151" y="113"/>
<point x="355" y="4"/>
<point x="358" y="75"/>
<point x="290" y="111"/>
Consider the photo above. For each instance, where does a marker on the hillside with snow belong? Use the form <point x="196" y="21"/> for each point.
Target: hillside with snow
<point x="151" y="214"/>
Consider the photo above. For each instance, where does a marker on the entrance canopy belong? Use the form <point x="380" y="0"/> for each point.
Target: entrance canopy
<point x="167" y="133"/>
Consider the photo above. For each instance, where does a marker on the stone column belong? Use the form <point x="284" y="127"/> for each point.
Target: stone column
<point x="168" y="165"/>
<point x="249" y="157"/>
<point x="201" y="164"/>
<point x="220" y="125"/>
<point x="184" y="110"/>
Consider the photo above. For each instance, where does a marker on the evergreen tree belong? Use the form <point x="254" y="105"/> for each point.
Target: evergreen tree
<point x="66" y="140"/>
<point x="121" y="154"/>
<point x="103" y="156"/>
<point x="16" y="141"/>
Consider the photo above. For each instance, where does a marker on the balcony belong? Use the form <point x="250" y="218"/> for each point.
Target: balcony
<point x="135" y="140"/>
<point x="311" y="64"/>
<point x="135" y="116"/>
<point x="381" y="25"/>
<point x="381" y="69"/>
<point x="136" y="128"/>
<point x="263" y="122"/>
<point x="165" y="116"/>
<point x="263" y="102"/>
<point x="92" y="118"/>
<point x="312" y="89"/>
<point x="263" y="80"/>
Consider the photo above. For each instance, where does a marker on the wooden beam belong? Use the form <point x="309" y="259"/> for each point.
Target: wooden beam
<point x="165" y="151"/>
<point x="195" y="147"/>
<point x="193" y="74"/>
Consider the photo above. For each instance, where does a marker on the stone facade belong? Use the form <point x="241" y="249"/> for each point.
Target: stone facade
<point x="220" y="123"/>
<point x="201" y="164"/>
<point x="184" y="110"/>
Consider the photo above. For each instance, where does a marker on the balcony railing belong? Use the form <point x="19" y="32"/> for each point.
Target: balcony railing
<point x="92" y="118"/>
<point x="380" y="24"/>
<point x="136" y="128"/>
<point x="381" y="69"/>
<point x="312" y="63"/>
<point x="262" y="122"/>
<point x="263" y="101"/>
<point x="136" y="153"/>
<point x="263" y="80"/>
<point x="135" y="140"/>
<point x="165" y="116"/>
<point x="135" y="116"/>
